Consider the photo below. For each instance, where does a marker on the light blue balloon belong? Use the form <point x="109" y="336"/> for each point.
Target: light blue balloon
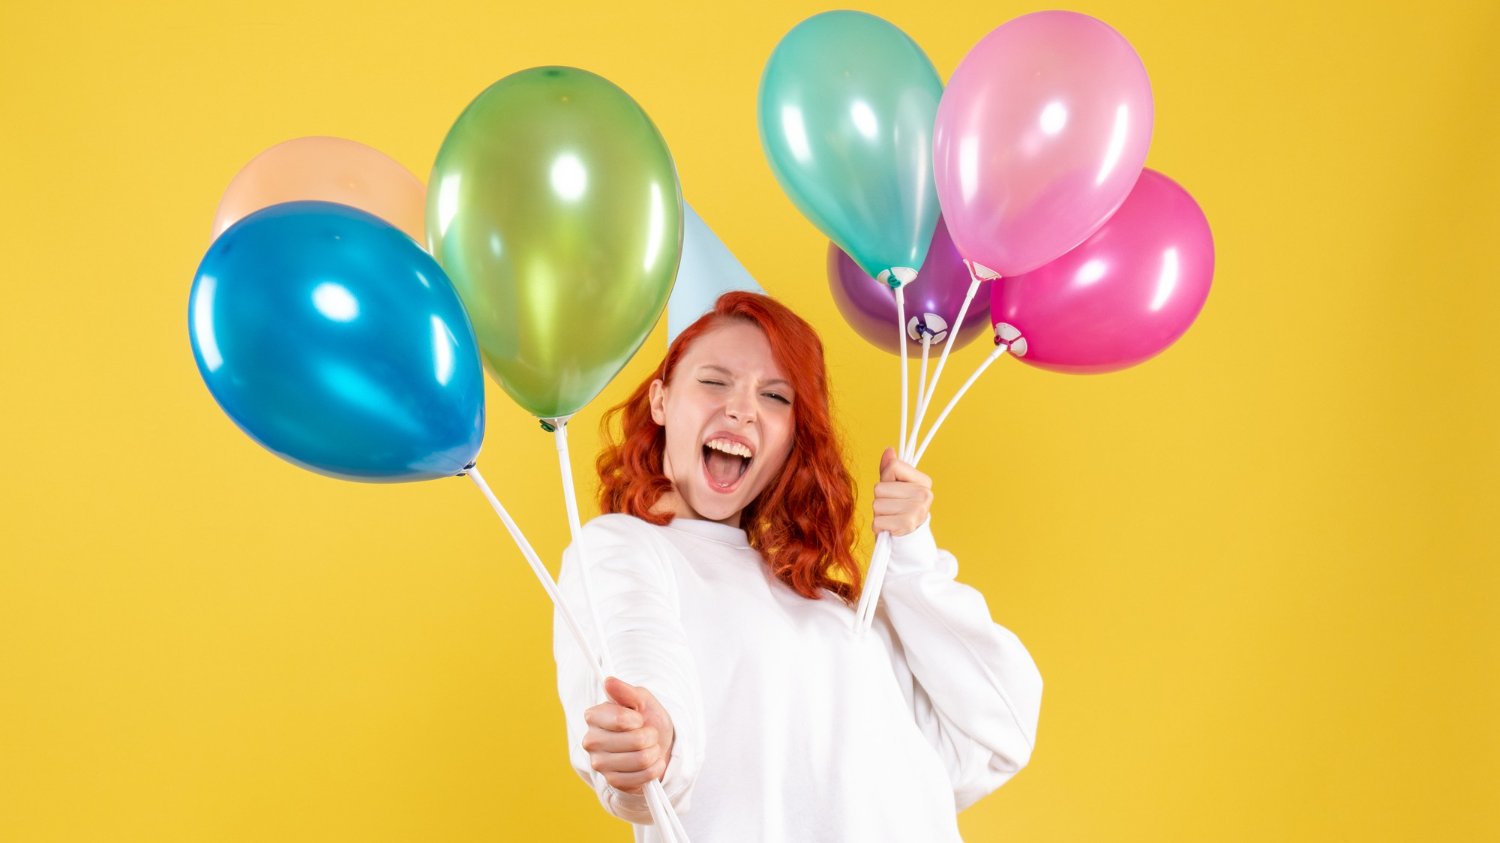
<point x="846" y="112"/>
<point x="337" y="343"/>
<point x="707" y="271"/>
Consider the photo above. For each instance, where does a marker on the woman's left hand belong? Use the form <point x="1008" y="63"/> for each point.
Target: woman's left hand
<point x="903" y="497"/>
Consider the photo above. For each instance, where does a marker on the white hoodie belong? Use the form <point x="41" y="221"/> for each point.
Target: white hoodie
<point x="788" y="727"/>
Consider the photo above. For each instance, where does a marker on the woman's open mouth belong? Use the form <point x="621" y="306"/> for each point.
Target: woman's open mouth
<point x="725" y="463"/>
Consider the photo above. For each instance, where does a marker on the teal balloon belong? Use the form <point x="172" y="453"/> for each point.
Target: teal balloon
<point x="846" y="112"/>
<point x="707" y="270"/>
<point x="333" y="340"/>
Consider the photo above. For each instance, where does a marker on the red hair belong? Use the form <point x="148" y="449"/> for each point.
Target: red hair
<point x="803" y="522"/>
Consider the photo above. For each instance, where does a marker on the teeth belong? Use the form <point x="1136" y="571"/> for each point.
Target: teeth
<point x="729" y="447"/>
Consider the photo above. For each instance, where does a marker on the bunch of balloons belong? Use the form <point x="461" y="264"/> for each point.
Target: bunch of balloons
<point x="344" y="315"/>
<point x="1034" y="156"/>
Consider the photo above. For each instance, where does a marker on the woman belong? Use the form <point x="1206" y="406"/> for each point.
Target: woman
<point x="723" y="575"/>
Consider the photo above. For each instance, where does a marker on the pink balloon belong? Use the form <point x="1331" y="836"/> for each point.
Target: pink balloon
<point x="1040" y="135"/>
<point x="1120" y="298"/>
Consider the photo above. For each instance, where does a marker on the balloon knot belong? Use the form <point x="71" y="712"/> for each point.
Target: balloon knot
<point x="897" y="276"/>
<point x="547" y="426"/>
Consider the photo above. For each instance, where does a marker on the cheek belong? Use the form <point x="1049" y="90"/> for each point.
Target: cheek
<point x="682" y="443"/>
<point x="780" y="440"/>
<point x="678" y="451"/>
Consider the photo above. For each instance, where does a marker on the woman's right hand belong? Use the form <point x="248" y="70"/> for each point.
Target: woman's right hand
<point x="629" y="740"/>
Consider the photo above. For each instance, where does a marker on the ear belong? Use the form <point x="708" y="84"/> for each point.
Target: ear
<point x="659" y="402"/>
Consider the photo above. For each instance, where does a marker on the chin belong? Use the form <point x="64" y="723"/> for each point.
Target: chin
<point x="715" y="510"/>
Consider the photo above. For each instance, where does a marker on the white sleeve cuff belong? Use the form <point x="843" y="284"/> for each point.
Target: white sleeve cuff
<point x="686" y="759"/>
<point x="914" y="552"/>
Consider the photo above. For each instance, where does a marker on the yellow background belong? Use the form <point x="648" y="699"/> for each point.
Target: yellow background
<point x="1256" y="572"/>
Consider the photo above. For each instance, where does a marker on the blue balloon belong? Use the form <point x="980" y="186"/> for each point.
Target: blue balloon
<point x="335" y="341"/>
<point x="707" y="270"/>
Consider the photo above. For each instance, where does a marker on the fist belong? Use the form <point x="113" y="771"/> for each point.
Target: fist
<point x="630" y="739"/>
<point x="903" y="497"/>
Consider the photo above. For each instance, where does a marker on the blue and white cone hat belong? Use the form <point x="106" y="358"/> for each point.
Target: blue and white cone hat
<point x="707" y="271"/>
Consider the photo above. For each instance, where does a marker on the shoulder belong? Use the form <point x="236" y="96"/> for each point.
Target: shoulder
<point x="618" y="526"/>
<point x="617" y="535"/>
<point x="622" y="549"/>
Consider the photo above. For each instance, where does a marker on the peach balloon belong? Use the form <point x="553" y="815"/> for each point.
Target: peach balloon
<point x="331" y="170"/>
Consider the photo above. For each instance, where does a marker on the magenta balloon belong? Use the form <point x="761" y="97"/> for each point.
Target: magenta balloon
<point x="1039" y="136"/>
<point x="932" y="300"/>
<point x="1120" y="298"/>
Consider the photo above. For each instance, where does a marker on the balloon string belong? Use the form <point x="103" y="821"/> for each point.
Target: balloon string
<point x="881" y="553"/>
<point x="662" y="813"/>
<point x="953" y="402"/>
<point x="881" y="560"/>
<point x="901" y="340"/>
<point x="910" y="443"/>
<point x="570" y="499"/>
<point x="864" y="613"/>
<point x="536" y="566"/>
<point x="926" y="399"/>
<point x="870" y="596"/>
<point x="660" y="806"/>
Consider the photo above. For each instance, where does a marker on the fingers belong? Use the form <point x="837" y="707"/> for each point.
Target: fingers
<point x="598" y="739"/>
<point x="892" y="469"/>
<point x="624" y="693"/>
<point x="627" y="762"/>
<point x="906" y="474"/>
<point x="896" y="525"/>
<point x="622" y="746"/>
<point x="903" y="497"/>
<point x="902" y="509"/>
<point x="637" y="781"/>
<point x="614" y="718"/>
<point x="898" y="490"/>
<point x="900" y="506"/>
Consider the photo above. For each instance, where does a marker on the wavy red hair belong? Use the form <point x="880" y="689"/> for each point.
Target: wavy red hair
<point x="803" y="522"/>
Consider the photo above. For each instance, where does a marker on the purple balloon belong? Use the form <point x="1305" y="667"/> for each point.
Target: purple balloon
<point x="1125" y="294"/>
<point x="932" y="301"/>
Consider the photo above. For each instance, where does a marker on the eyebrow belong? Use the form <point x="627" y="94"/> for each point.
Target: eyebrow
<point x="782" y="381"/>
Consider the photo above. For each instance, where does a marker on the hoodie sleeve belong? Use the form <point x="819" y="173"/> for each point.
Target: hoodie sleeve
<point x="972" y="687"/>
<point x="636" y="601"/>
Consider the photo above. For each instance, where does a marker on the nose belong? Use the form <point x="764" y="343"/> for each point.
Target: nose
<point x="740" y="406"/>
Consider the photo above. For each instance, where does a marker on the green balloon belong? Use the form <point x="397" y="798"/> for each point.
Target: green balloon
<point x="846" y="113"/>
<point x="555" y="209"/>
